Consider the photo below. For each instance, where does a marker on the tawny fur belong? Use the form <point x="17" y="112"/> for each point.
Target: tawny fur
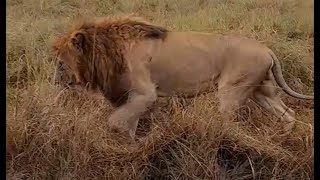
<point x="133" y="62"/>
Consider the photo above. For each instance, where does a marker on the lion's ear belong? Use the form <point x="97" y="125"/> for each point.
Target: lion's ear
<point x="77" y="41"/>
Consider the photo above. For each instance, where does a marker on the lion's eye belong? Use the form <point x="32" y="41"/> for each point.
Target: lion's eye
<point x="70" y="83"/>
<point x="60" y="63"/>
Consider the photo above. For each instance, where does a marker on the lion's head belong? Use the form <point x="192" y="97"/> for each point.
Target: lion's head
<point x="94" y="50"/>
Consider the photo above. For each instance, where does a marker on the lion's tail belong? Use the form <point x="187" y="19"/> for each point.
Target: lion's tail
<point x="278" y="76"/>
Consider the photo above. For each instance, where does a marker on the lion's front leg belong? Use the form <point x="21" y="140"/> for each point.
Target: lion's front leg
<point x="142" y="92"/>
<point x="125" y="118"/>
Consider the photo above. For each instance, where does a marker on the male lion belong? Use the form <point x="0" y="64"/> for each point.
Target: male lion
<point x="132" y="62"/>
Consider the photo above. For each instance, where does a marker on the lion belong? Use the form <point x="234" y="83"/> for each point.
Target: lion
<point x="133" y="62"/>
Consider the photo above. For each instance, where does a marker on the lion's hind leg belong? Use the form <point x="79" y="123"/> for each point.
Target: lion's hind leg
<point x="268" y="98"/>
<point x="232" y="98"/>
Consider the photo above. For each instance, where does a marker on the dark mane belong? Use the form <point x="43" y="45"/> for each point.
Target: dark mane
<point x="127" y="27"/>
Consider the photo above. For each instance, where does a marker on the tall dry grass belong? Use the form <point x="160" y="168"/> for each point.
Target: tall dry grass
<point x="61" y="135"/>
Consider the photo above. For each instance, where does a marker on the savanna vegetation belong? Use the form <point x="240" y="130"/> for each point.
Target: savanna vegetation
<point x="58" y="134"/>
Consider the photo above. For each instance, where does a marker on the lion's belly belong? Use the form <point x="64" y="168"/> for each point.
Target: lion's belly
<point x="189" y="90"/>
<point x="188" y="77"/>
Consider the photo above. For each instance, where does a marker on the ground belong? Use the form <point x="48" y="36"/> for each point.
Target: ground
<point x="61" y="135"/>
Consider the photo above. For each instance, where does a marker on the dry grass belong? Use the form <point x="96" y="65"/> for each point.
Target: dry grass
<point x="60" y="135"/>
